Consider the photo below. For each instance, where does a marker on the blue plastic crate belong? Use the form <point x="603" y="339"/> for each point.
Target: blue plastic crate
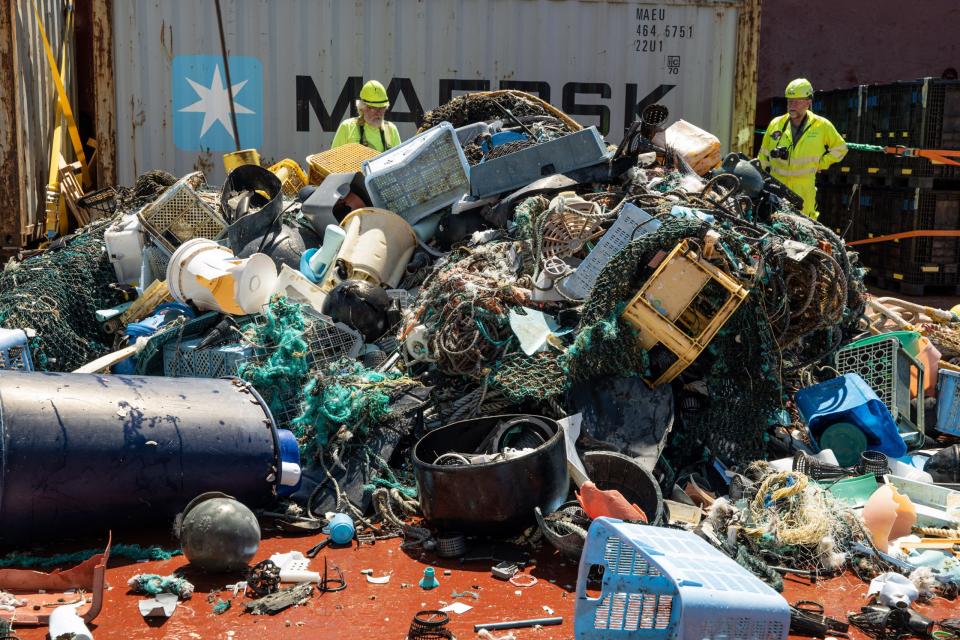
<point x="184" y="360"/>
<point x="948" y="402"/>
<point x="667" y="583"/>
<point x="15" y="350"/>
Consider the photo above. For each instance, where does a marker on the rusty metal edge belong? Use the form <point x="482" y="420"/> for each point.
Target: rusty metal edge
<point x="11" y="205"/>
<point x="103" y="91"/>
<point x="745" y="77"/>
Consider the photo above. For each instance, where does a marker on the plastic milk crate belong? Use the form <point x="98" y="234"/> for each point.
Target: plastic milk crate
<point x="948" y="402"/>
<point x="184" y="360"/>
<point x="670" y="584"/>
<point x="886" y="366"/>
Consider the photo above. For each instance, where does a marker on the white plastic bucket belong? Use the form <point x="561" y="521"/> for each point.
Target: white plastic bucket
<point x="213" y="279"/>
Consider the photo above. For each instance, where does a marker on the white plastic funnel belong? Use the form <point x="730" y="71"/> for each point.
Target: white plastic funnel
<point x="213" y="279"/>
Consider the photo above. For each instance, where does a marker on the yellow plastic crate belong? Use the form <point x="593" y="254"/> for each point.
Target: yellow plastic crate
<point x="292" y="177"/>
<point x="682" y="306"/>
<point x="343" y="159"/>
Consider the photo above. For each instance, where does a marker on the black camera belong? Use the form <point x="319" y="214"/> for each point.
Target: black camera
<point x="780" y="153"/>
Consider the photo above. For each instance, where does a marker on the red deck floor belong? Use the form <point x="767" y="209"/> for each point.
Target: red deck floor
<point x="365" y="610"/>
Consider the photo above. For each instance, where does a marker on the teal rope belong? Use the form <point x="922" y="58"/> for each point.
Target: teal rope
<point x="128" y="551"/>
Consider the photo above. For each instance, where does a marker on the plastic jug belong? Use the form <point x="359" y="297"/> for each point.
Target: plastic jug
<point x="844" y="403"/>
<point x="700" y="149"/>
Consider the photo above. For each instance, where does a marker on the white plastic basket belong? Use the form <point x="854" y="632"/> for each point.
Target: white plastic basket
<point x="660" y="583"/>
<point x="424" y="174"/>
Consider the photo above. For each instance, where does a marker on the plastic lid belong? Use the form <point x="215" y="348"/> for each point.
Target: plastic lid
<point x="847" y="442"/>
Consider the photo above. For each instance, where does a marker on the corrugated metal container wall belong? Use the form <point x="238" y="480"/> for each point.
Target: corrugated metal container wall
<point x="36" y="103"/>
<point x="296" y="65"/>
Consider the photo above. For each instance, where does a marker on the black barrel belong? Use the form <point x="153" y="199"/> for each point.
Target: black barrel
<point x="82" y="451"/>
<point x="493" y="497"/>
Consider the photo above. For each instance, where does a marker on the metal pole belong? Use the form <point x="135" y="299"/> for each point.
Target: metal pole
<point x="226" y="70"/>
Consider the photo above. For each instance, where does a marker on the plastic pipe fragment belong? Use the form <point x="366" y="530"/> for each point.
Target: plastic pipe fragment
<point x="519" y="624"/>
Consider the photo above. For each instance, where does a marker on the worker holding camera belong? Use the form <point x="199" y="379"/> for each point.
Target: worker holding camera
<point x="799" y="143"/>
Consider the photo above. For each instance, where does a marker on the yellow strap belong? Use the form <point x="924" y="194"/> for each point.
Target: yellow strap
<point x="64" y="101"/>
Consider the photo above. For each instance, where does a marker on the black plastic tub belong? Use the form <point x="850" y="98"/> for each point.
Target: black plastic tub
<point x="493" y="497"/>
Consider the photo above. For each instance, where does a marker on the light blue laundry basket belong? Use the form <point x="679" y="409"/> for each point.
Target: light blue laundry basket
<point x="667" y="583"/>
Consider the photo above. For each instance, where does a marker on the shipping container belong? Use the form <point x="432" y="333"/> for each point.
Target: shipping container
<point x="296" y="66"/>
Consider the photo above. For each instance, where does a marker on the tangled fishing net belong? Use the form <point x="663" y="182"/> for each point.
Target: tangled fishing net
<point x="57" y="293"/>
<point x="798" y="523"/>
<point x="281" y="372"/>
<point x="346" y="400"/>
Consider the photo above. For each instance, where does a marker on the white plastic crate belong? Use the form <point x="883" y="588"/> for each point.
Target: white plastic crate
<point x="15" y="350"/>
<point x="124" y="243"/>
<point x="424" y="174"/>
<point x="667" y="583"/>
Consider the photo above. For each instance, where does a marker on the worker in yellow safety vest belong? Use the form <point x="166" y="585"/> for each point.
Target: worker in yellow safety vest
<point x="369" y="128"/>
<point x="799" y="143"/>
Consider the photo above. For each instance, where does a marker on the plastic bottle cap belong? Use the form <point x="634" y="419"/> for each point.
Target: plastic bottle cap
<point x="847" y="442"/>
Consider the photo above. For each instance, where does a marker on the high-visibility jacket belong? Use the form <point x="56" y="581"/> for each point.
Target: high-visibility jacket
<point x="381" y="139"/>
<point x="817" y="146"/>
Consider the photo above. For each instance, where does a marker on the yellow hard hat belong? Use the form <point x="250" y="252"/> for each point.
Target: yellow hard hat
<point x="374" y="94"/>
<point x="799" y="89"/>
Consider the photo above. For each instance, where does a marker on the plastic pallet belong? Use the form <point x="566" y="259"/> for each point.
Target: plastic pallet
<point x="886" y="367"/>
<point x="568" y="153"/>
<point x="661" y="584"/>
<point x="181" y="214"/>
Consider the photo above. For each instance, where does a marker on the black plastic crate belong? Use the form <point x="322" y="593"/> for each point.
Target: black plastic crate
<point x="887" y="211"/>
<point x="842" y="108"/>
<point x="937" y="209"/>
<point x="921" y="275"/>
<point x="924" y="114"/>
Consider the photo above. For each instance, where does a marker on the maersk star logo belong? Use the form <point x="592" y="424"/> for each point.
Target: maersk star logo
<point x="201" y="103"/>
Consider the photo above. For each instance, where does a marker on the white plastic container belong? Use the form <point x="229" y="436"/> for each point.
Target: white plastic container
<point x="208" y="275"/>
<point x="298" y="288"/>
<point x="64" y="621"/>
<point x="124" y="243"/>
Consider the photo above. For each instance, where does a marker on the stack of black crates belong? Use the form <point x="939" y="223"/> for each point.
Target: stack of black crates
<point x="869" y="195"/>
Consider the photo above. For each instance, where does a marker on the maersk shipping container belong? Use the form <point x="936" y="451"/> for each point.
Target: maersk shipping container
<point x="297" y="65"/>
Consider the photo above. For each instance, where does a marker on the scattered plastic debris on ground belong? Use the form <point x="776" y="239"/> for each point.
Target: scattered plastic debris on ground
<point x="505" y="344"/>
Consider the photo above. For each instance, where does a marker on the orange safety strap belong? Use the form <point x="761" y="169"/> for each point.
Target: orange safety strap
<point x="922" y="233"/>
